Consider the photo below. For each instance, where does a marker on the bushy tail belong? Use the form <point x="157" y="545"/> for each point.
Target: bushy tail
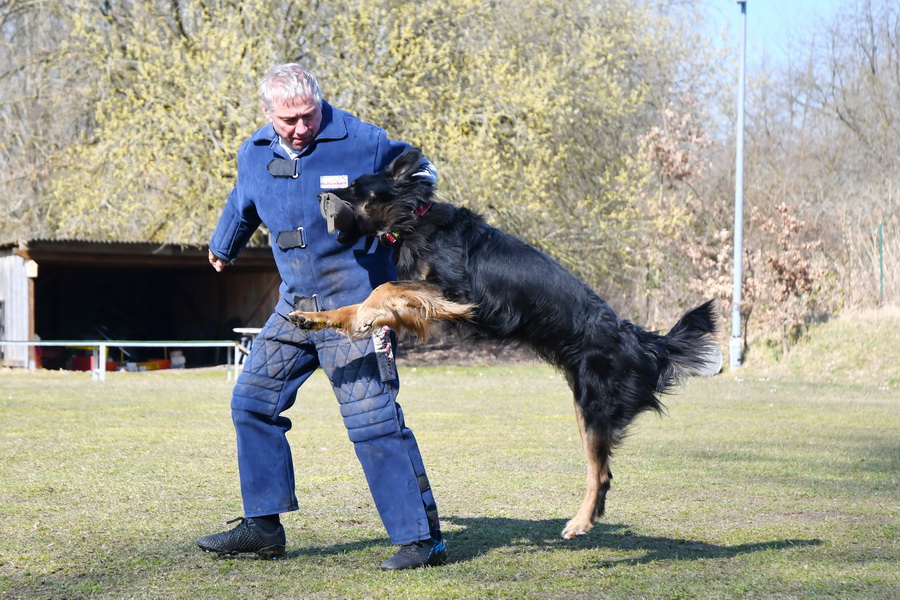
<point x="691" y="346"/>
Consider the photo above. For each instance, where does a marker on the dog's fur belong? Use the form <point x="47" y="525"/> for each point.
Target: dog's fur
<point x="455" y="267"/>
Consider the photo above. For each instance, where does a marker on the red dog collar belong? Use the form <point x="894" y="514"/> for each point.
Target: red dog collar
<point x="393" y="236"/>
<point x="422" y="209"/>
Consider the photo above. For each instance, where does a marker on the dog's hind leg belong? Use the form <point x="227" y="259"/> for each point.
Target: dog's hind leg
<point x="401" y="305"/>
<point x="597" y="451"/>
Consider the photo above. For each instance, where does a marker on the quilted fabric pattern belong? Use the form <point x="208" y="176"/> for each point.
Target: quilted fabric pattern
<point x="271" y="375"/>
<point x="367" y="403"/>
<point x="282" y="358"/>
<point x="275" y="348"/>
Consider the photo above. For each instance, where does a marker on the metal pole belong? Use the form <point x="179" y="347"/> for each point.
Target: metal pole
<point x="95" y="363"/>
<point x="104" y="356"/>
<point x="737" y="342"/>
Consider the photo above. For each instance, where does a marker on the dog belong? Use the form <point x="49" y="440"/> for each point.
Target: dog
<point x="454" y="267"/>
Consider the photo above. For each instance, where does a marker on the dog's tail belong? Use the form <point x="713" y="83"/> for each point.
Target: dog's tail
<point x="691" y="346"/>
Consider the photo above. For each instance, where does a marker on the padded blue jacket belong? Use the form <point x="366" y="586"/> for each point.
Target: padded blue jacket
<point x="336" y="274"/>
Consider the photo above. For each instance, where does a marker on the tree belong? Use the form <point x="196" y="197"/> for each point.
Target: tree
<point x="820" y="175"/>
<point x="40" y="116"/>
<point x="174" y="98"/>
<point x="533" y="110"/>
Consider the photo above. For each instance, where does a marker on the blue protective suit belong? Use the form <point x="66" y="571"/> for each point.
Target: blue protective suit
<point x="315" y="267"/>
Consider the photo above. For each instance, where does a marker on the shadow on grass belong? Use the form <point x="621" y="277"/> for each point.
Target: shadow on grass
<point x="481" y="534"/>
<point x="473" y="536"/>
<point x="337" y="548"/>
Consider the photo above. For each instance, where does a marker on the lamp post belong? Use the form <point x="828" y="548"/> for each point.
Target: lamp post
<point x="737" y="341"/>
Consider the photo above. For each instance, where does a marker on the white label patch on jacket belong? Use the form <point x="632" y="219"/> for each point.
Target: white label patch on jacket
<point x="333" y="182"/>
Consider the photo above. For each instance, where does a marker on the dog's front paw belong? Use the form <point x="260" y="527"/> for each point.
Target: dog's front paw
<point x="303" y="320"/>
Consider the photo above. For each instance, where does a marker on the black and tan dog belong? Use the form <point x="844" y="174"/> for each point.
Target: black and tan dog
<point x="453" y="266"/>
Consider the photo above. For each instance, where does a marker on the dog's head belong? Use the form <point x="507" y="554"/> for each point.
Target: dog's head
<point x="379" y="204"/>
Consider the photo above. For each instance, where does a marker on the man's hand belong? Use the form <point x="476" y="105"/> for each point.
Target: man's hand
<point x="217" y="263"/>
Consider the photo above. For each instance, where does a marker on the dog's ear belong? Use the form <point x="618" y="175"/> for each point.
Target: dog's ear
<point x="406" y="164"/>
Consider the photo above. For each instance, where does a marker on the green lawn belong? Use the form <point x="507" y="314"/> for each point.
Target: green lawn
<point x="750" y="487"/>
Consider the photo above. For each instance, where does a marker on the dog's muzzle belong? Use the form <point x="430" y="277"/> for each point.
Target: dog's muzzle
<point x="336" y="212"/>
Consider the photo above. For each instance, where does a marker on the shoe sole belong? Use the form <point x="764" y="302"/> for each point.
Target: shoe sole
<point x="269" y="552"/>
<point x="435" y="561"/>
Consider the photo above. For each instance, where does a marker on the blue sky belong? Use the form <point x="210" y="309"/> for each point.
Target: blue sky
<point x="772" y="25"/>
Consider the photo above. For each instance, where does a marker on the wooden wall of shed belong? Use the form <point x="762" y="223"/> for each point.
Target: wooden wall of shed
<point x="15" y="314"/>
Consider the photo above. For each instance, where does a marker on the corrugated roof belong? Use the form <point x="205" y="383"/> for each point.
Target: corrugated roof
<point x="43" y="240"/>
<point x="26" y="242"/>
<point x="84" y="252"/>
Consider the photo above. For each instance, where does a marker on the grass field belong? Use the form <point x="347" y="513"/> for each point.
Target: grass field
<point x="752" y="486"/>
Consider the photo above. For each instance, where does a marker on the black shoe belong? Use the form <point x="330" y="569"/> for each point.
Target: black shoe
<point x="424" y="553"/>
<point x="246" y="537"/>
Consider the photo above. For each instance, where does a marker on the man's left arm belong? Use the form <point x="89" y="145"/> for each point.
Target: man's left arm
<point x="390" y="149"/>
<point x="427" y="170"/>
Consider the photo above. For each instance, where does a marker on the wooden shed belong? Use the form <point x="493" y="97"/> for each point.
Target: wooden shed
<point x="90" y="290"/>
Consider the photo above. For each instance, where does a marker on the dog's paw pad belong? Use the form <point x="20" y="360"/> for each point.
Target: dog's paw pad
<point x="300" y="320"/>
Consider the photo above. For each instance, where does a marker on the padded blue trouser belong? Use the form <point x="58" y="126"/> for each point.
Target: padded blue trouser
<point x="281" y="359"/>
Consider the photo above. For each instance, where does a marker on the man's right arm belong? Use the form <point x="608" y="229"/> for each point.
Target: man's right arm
<point x="238" y="222"/>
<point x="217" y="263"/>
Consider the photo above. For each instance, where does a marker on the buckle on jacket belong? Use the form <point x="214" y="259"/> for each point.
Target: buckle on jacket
<point x="306" y="303"/>
<point x="282" y="167"/>
<point x="292" y="238"/>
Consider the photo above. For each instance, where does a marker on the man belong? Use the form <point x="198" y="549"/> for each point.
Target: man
<point x="307" y="147"/>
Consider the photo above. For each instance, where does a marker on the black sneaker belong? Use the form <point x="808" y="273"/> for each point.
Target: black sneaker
<point x="246" y="537"/>
<point x="424" y="553"/>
